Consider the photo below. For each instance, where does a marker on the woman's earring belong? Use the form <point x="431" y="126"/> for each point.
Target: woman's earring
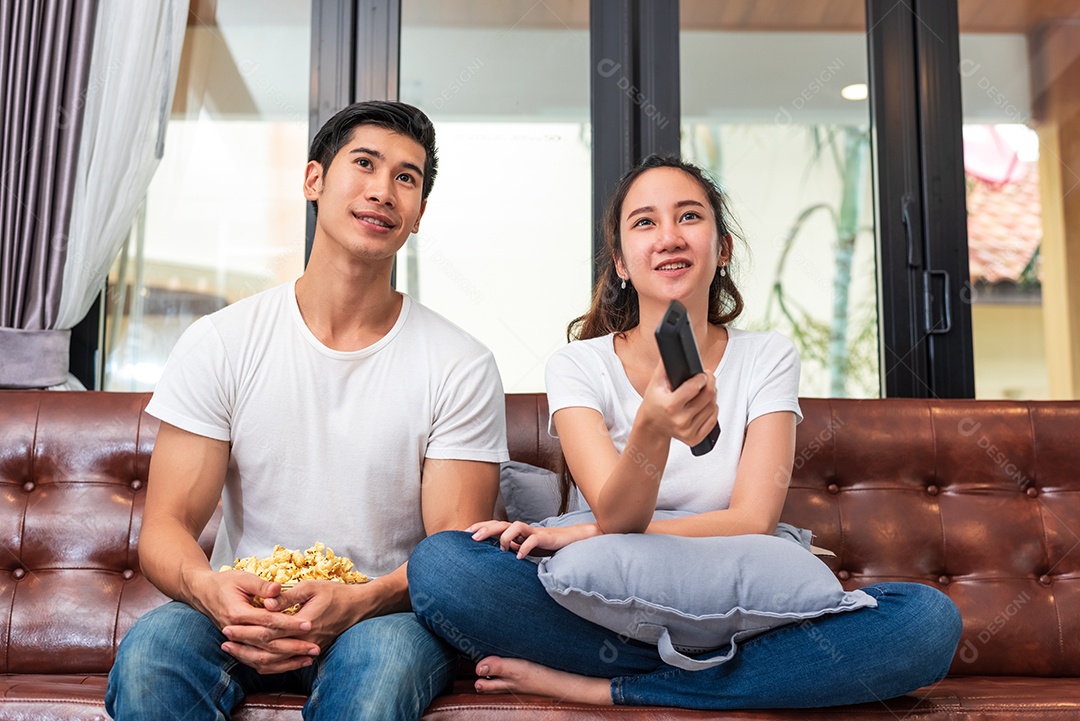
<point x="723" y="271"/>
<point x="624" y="283"/>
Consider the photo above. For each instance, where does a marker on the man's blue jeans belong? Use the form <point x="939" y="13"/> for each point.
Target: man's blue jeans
<point x="487" y="602"/>
<point x="170" y="666"/>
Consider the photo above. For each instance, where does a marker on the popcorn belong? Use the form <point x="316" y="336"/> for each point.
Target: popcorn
<point x="288" y="567"/>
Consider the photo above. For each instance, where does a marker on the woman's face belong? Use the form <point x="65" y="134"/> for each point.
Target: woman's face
<point x="670" y="245"/>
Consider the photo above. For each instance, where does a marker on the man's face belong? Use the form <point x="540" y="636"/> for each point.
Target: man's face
<point x="370" y="198"/>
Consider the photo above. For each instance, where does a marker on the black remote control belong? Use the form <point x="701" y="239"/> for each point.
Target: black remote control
<point x="679" y="351"/>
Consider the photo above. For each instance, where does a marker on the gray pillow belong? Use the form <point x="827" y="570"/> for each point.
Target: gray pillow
<point x="692" y="595"/>
<point x="529" y="493"/>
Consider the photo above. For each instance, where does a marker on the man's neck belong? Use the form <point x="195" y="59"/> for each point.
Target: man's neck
<point x="347" y="305"/>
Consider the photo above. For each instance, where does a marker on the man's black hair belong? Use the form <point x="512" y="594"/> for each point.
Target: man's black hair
<point x="401" y="118"/>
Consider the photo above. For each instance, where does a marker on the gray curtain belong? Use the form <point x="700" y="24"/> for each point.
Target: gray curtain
<point x="45" y="51"/>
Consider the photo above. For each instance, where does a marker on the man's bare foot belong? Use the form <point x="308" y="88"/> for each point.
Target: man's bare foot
<point x="515" y="675"/>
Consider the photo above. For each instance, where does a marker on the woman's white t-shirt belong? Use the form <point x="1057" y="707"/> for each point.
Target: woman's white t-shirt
<point x="758" y="374"/>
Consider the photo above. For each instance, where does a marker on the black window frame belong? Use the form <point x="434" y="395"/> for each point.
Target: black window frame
<point x="921" y="216"/>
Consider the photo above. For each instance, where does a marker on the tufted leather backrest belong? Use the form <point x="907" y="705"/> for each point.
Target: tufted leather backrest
<point x="979" y="499"/>
<point x="73" y="472"/>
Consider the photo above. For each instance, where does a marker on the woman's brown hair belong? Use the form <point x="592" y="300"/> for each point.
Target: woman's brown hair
<point x="615" y="310"/>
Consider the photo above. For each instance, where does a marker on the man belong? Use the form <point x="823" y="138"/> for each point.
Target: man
<point x="336" y="410"/>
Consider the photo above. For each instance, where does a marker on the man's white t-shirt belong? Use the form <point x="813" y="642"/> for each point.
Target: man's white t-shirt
<point x="329" y="445"/>
<point x="758" y="374"/>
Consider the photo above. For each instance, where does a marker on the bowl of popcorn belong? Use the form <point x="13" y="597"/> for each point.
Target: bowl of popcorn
<point x="289" y="567"/>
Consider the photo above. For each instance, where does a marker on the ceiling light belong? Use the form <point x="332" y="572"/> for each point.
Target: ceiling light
<point x="856" y="91"/>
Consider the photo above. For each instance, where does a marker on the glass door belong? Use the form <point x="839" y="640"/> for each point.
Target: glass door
<point x="1019" y="78"/>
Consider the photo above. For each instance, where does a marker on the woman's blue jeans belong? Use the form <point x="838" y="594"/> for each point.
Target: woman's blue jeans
<point x="170" y="666"/>
<point x="485" y="601"/>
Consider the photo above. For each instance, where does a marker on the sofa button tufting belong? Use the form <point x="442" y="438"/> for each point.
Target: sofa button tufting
<point x="932" y="489"/>
<point x="18" y="574"/>
<point x="843" y="575"/>
<point x="1044" y="580"/>
<point x="833" y="488"/>
<point x="128" y="574"/>
<point x="136" y="484"/>
<point x="1032" y="492"/>
<point x="943" y="580"/>
<point x="29" y="486"/>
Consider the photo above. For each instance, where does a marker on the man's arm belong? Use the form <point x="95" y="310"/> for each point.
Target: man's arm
<point x="456" y="494"/>
<point x="187" y="473"/>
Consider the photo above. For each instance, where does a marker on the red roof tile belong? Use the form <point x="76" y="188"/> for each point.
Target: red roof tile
<point x="1004" y="226"/>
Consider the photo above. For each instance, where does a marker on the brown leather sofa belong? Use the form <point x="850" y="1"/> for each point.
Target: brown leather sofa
<point x="978" y="499"/>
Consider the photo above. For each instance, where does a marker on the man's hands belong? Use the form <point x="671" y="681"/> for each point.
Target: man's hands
<point x="268" y="640"/>
<point x="329" y="606"/>
<point x="525" y="539"/>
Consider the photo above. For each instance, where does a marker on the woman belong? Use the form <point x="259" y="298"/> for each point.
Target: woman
<point x="626" y="436"/>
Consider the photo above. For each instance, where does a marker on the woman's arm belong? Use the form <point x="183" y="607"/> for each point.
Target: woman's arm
<point x="621" y="488"/>
<point x="598" y="466"/>
<point x="761" y="484"/>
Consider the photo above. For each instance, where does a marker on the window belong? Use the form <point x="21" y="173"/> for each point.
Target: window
<point x="224" y="215"/>
<point x="855" y="227"/>
<point x="774" y="105"/>
<point x="504" y="246"/>
<point x="1018" y="77"/>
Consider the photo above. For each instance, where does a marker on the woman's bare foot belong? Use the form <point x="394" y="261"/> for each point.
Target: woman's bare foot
<point x="515" y="675"/>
